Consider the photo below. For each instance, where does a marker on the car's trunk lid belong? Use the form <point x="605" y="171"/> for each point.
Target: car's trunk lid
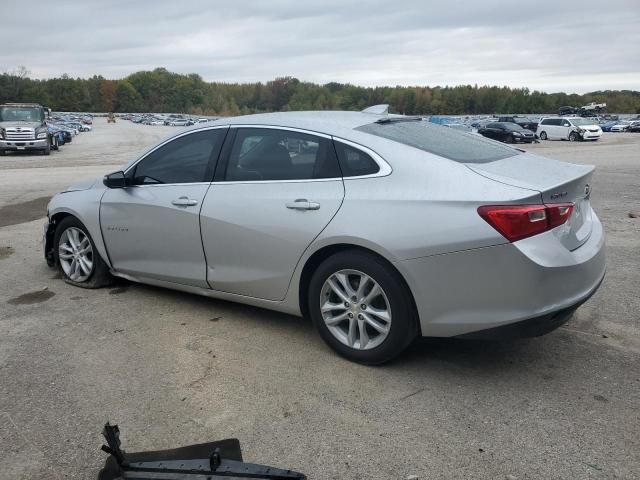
<point x="557" y="182"/>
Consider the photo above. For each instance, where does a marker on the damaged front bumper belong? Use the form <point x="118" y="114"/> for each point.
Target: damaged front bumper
<point x="213" y="460"/>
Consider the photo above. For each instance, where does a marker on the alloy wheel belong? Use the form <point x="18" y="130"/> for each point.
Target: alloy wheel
<point x="75" y="254"/>
<point x="355" y="309"/>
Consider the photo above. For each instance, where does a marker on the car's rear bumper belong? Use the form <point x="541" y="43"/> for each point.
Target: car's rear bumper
<point x="531" y="327"/>
<point x="486" y="288"/>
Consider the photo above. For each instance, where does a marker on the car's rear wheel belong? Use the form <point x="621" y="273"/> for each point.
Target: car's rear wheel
<point x="543" y="135"/>
<point x="361" y="307"/>
<point x="77" y="257"/>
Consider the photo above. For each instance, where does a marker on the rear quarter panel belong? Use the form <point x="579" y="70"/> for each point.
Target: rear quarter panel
<point x="426" y="206"/>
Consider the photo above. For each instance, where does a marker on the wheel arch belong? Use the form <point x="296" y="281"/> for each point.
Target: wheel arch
<point x="54" y="221"/>
<point x="320" y="255"/>
<point x="58" y="214"/>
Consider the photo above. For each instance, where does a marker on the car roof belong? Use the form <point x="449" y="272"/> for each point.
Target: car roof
<point x="329" y="122"/>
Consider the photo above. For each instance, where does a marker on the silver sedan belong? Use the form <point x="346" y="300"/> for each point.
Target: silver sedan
<point x="379" y="228"/>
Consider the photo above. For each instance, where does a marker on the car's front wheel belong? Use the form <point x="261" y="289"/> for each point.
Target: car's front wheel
<point x="361" y="307"/>
<point x="77" y="257"/>
<point x="543" y="135"/>
<point x="573" y="137"/>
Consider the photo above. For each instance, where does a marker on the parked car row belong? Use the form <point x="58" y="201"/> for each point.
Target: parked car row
<point x="621" y="126"/>
<point x="63" y="127"/>
<point x="174" y="120"/>
<point x="571" y="127"/>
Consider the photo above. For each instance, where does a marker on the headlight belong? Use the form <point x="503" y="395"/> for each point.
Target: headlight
<point x="1" y="133"/>
<point x="42" y="135"/>
<point x="517" y="134"/>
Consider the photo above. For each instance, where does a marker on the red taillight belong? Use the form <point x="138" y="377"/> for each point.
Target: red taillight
<point x="516" y="222"/>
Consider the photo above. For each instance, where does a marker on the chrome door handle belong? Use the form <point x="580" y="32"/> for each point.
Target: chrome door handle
<point x="184" y="202"/>
<point x="303" y="204"/>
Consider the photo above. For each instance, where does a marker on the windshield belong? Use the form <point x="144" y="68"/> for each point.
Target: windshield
<point x="445" y="142"/>
<point x="21" y="114"/>
<point x="578" y="122"/>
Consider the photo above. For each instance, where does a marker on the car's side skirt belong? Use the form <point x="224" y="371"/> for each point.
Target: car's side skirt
<point x="278" y="306"/>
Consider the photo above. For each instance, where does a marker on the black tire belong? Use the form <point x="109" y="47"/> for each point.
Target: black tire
<point x="404" y="324"/>
<point x="99" y="276"/>
<point x="47" y="150"/>
<point x="573" y="137"/>
<point x="2" y="153"/>
<point x="543" y="135"/>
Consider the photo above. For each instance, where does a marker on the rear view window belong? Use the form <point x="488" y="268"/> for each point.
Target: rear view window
<point x="445" y="142"/>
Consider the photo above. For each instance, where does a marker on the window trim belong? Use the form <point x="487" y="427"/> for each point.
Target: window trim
<point x="171" y="139"/>
<point x="384" y="168"/>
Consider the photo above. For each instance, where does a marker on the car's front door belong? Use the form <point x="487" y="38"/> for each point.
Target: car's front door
<point x="274" y="192"/>
<point x="152" y="228"/>
<point x="565" y="129"/>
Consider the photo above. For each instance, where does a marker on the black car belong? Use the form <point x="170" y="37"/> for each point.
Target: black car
<point x="634" y="127"/>
<point x="507" y="132"/>
<point x="524" y="122"/>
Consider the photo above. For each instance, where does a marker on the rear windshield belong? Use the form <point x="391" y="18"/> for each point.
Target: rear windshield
<point x="446" y="142"/>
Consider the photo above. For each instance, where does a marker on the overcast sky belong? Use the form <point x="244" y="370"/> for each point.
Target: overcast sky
<point x="561" y="45"/>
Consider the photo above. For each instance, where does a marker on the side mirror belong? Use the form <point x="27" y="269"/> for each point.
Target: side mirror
<point x="115" y="180"/>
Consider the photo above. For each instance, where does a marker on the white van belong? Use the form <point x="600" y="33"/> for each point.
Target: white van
<point x="568" y="128"/>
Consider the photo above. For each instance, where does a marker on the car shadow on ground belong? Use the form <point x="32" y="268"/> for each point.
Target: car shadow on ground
<point x="474" y="354"/>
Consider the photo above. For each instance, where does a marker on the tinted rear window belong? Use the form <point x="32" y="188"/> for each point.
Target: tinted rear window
<point x="445" y="142"/>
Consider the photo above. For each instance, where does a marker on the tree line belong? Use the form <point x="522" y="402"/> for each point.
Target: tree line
<point x="162" y="91"/>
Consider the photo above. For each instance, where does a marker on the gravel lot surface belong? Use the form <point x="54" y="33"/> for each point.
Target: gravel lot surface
<point x="174" y="369"/>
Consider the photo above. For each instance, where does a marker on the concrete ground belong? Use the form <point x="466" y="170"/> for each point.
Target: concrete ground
<point x="174" y="369"/>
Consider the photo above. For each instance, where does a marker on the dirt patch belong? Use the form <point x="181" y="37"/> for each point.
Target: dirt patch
<point x="23" y="212"/>
<point x="30" y="298"/>
<point x="5" y="252"/>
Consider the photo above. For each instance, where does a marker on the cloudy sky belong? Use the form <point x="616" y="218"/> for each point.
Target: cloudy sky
<point x="573" y="46"/>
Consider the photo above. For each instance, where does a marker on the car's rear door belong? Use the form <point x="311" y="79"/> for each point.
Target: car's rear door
<point x="152" y="228"/>
<point x="275" y="190"/>
<point x="492" y="131"/>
